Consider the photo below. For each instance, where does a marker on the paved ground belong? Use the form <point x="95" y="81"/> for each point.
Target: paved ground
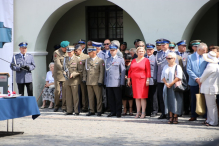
<point x="57" y="129"/>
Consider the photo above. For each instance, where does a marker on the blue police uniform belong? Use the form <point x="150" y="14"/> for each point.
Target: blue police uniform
<point x="152" y="104"/>
<point x="185" y="55"/>
<point x="114" y="78"/>
<point x="23" y="77"/>
<point x="160" y="63"/>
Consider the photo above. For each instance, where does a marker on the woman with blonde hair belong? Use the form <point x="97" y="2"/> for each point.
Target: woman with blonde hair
<point x="139" y="75"/>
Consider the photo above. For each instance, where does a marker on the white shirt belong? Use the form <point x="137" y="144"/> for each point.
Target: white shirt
<point x="197" y="55"/>
<point x="114" y="56"/>
<point x="180" y="53"/>
<point x="94" y="58"/>
<point x="49" y="77"/>
<point x="168" y="73"/>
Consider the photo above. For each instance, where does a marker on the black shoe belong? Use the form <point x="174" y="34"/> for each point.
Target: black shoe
<point x="153" y="115"/>
<point x="89" y="114"/>
<point x="98" y="114"/>
<point x="64" y="111"/>
<point x="162" y="116"/>
<point x="111" y="115"/>
<point x="118" y="115"/>
<point x="76" y="114"/>
<point x="84" y="110"/>
<point x="56" y="109"/>
<point x="68" y="114"/>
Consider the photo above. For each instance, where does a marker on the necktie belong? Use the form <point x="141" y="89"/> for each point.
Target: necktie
<point x="181" y="54"/>
<point x="24" y="56"/>
<point x="200" y="60"/>
<point x="112" y="59"/>
<point x="163" y="54"/>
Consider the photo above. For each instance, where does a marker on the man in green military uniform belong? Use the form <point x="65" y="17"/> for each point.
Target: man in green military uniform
<point x="59" y="79"/>
<point x="93" y="77"/>
<point x="70" y="68"/>
<point x="82" y="57"/>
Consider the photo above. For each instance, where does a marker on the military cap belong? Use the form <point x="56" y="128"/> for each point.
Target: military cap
<point x="64" y="44"/>
<point x="70" y="48"/>
<point x="150" y="46"/>
<point x="91" y="48"/>
<point x="158" y="42"/>
<point x="172" y="45"/>
<point x="183" y="43"/>
<point x="195" y="42"/>
<point x="137" y="40"/>
<point x="124" y="43"/>
<point x="164" y="41"/>
<point x="113" y="47"/>
<point x="77" y="46"/>
<point x="57" y="46"/>
<point x="96" y="44"/>
<point x="23" y="44"/>
<point x="81" y="41"/>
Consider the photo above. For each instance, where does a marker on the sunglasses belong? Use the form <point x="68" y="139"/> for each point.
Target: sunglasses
<point x="106" y="44"/>
<point x="140" y="46"/>
<point x="171" y="47"/>
<point x="169" y="58"/>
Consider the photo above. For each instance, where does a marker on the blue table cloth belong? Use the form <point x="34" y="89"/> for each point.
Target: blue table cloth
<point x="18" y="107"/>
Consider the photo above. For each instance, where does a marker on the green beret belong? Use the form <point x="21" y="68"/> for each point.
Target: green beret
<point x="64" y="44"/>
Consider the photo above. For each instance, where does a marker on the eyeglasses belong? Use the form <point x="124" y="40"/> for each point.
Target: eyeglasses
<point x="169" y="58"/>
<point x="106" y="44"/>
<point x="171" y="47"/>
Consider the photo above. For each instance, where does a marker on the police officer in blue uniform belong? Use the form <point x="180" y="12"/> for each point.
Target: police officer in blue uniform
<point x="160" y="63"/>
<point x="152" y="104"/>
<point x="83" y="46"/>
<point x="182" y="52"/>
<point x="114" y="79"/>
<point x="23" y="64"/>
<point x="100" y="53"/>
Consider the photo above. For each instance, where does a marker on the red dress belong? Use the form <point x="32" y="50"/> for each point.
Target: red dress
<point x="139" y="72"/>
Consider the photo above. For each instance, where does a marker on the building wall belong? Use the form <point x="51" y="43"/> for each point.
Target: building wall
<point x="207" y="28"/>
<point x="72" y="26"/>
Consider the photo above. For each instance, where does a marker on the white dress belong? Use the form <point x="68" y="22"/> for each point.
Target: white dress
<point x="173" y="101"/>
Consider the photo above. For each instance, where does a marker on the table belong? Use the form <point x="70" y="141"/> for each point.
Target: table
<point x="22" y="106"/>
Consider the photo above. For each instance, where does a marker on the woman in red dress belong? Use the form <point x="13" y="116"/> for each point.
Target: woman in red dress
<point x="140" y="73"/>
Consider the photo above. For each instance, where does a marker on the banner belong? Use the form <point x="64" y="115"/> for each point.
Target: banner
<point x="6" y="37"/>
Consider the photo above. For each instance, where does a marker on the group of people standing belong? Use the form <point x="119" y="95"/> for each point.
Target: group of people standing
<point x="110" y="75"/>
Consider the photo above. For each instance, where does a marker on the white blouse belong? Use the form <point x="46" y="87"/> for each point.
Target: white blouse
<point x="49" y="77"/>
<point x="168" y="73"/>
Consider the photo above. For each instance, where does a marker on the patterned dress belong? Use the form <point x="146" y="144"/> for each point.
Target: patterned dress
<point x="48" y="92"/>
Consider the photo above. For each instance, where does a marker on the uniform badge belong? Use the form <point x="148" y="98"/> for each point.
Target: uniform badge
<point x="55" y="55"/>
<point x="73" y="63"/>
<point x="184" y="59"/>
<point x="103" y="64"/>
<point x="80" y="62"/>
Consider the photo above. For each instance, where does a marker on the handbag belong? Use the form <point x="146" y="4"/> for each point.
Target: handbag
<point x="200" y="104"/>
<point x="128" y="91"/>
<point x="182" y="85"/>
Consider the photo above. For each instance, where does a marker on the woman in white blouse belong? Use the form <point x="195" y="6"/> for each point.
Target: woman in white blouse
<point x="48" y="92"/>
<point x="173" y="101"/>
<point x="210" y="87"/>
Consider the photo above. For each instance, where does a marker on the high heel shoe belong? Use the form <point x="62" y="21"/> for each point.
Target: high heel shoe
<point x="137" y="115"/>
<point x="175" y="120"/>
<point x="142" y="115"/>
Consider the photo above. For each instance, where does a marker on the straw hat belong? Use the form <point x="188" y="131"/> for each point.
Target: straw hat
<point x="210" y="57"/>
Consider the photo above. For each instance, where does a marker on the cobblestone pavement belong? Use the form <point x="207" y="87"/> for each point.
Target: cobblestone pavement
<point x="57" y="129"/>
